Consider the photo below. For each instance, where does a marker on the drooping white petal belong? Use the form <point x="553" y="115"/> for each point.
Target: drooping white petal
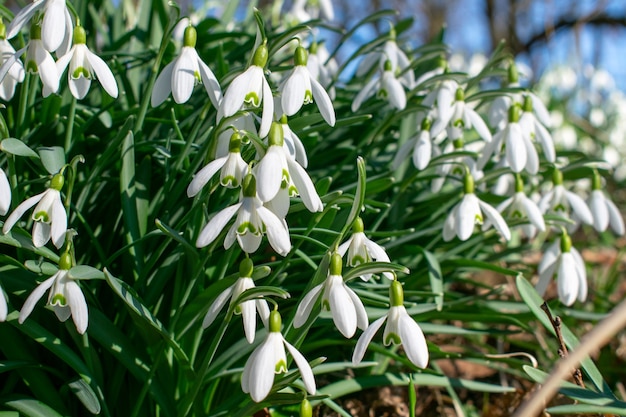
<point x="277" y="233"/>
<point x="58" y="223"/>
<point x="35" y="296"/>
<point x="479" y="124"/>
<point x="545" y="278"/>
<point x="449" y="226"/>
<point x="533" y="213"/>
<point x="305" y="186"/>
<point x="3" y="306"/>
<point x="579" y="207"/>
<point x="268" y="108"/>
<point x="361" y="315"/>
<point x="258" y="374"/>
<point x="216" y="307"/>
<point x="402" y="152"/>
<point x="237" y="90"/>
<point x="269" y="173"/>
<point x="41" y="234"/>
<point x="615" y="218"/>
<point x="366" y="92"/>
<point x="209" y="80"/>
<point x="341" y="306"/>
<point x="78" y="306"/>
<point x="79" y="87"/>
<point x="5" y="193"/>
<point x="204" y="175"/>
<point x="495" y="218"/>
<point x="294" y="90"/>
<point x="515" y="150"/>
<point x="103" y="73"/>
<point x="532" y="159"/>
<point x="52" y="32"/>
<point x="20" y="210"/>
<point x="467" y="214"/>
<point x="248" y="313"/>
<point x="323" y="101"/>
<point x="306" y="306"/>
<point x="305" y="369"/>
<point x="550" y="255"/>
<point x="365" y="339"/>
<point x="540" y="110"/>
<point x="395" y="91"/>
<point x="46" y="67"/>
<point x="214" y="227"/>
<point x="545" y="139"/>
<point x="413" y="341"/>
<point x="567" y="279"/>
<point x="184" y="75"/>
<point x="599" y="210"/>
<point x="22" y="17"/>
<point x="163" y="85"/>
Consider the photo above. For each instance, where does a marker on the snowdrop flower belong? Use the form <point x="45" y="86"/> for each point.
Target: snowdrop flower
<point x="522" y="207"/>
<point x="362" y="250"/>
<point x="564" y="260"/>
<point x="84" y="67"/>
<point x="293" y="145"/>
<point x="252" y="221"/>
<point x="345" y="306"/>
<point x="559" y="201"/>
<point x="5" y="193"/>
<point x="268" y="359"/>
<point x="322" y="67"/>
<point x="604" y="212"/>
<point x="420" y="147"/>
<point x="15" y="73"/>
<point x="385" y="86"/>
<point x="305" y="10"/>
<point x="4" y="309"/>
<point x="301" y="88"/>
<point x="38" y="61"/>
<point x="533" y="129"/>
<point x="49" y="216"/>
<point x="520" y="152"/>
<point x="233" y="168"/>
<point x="247" y="309"/>
<point x="400" y="329"/>
<point x="251" y="88"/>
<point x="468" y="212"/>
<point x="243" y="124"/>
<point x="65" y="297"/>
<point x="277" y="169"/>
<point x="391" y="55"/>
<point x="460" y="116"/>
<point x="181" y="75"/>
<point x="56" y="26"/>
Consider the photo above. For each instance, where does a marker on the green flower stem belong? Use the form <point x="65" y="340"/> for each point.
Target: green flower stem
<point x="69" y="131"/>
<point x="23" y="105"/>
<point x="146" y="386"/>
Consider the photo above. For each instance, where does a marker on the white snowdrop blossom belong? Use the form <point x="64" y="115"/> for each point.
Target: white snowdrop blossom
<point x="242" y="124"/>
<point x="520" y="153"/>
<point x="268" y="359"/>
<point x="390" y="58"/>
<point x="305" y="10"/>
<point x="277" y="169"/>
<point x="519" y="206"/>
<point x="400" y="329"/>
<point x="56" y="25"/>
<point x="251" y="88"/>
<point x="181" y="75"/>
<point x="65" y="297"/>
<point x="38" y="61"/>
<point x="564" y="202"/>
<point x="248" y="309"/>
<point x="85" y="66"/>
<point x="301" y="88"/>
<point x="232" y="169"/>
<point x="322" y="67"/>
<point x="533" y="129"/>
<point x="384" y="85"/>
<point x="5" y="193"/>
<point x="253" y="219"/>
<point x="604" y="212"/>
<point x="459" y="115"/>
<point x="293" y="145"/>
<point x="344" y="305"/>
<point x="565" y="261"/>
<point x="15" y="72"/>
<point x="419" y="147"/>
<point x="49" y="216"/>
<point x="361" y="250"/>
<point x="469" y="212"/>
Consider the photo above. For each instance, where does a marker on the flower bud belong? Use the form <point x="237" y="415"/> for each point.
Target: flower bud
<point x="275" y="321"/>
<point x="246" y="267"/>
<point x="566" y="243"/>
<point x="80" y="37"/>
<point x="57" y="182"/>
<point x="276" y="135"/>
<point x="260" y="56"/>
<point x="557" y="177"/>
<point x="514" y="114"/>
<point x="190" y="37"/>
<point x="396" y="294"/>
<point x="300" y="57"/>
<point x="358" y="227"/>
<point x="335" y="264"/>
<point x="234" y="145"/>
<point x="248" y="186"/>
<point x="468" y="184"/>
<point x="65" y="261"/>
<point x="305" y="408"/>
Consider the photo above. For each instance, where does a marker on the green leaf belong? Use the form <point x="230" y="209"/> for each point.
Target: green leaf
<point x="258" y="292"/>
<point x="575" y="409"/>
<point x="52" y="158"/>
<point x="435" y="276"/>
<point x="85" y="272"/>
<point x="17" y="147"/>
<point x="30" y="407"/>
<point x="86" y="395"/>
<point x="41" y="267"/>
<point x="129" y="197"/>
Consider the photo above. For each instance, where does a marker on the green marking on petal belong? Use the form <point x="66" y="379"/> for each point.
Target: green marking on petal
<point x="392" y="338"/>
<point x="253" y="99"/>
<point x="31" y="67"/>
<point x="81" y="71"/>
<point x="41" y="216"/>
<point x="459" y="123"/>
<point x="357" y="260"/>
<point x="229" y="181"/>
<point x="246" y="227"/>
<point x="281" y="367"/>
<point x="308" y="97"/>
<point x="59" y="300"/>
<point x="517" y="214"/>
<point x="478" y="219"/>
<point x="325" y="305"/>
<point x="293" y="191"/>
